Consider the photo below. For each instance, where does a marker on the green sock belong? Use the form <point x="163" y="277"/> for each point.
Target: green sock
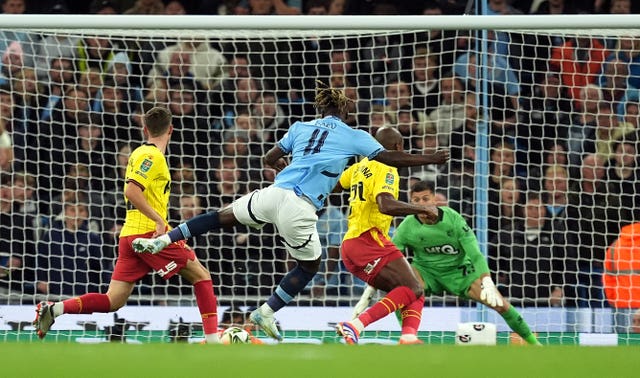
<point x="519" y="326"/>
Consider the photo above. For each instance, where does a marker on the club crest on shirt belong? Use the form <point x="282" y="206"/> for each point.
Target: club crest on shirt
<point x="146" y="165"/>
<point x="389" y="179"/>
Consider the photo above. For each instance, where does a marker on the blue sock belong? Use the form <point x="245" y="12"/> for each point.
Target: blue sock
<point x="195" y="226"/>
<point x="293" y="283"/>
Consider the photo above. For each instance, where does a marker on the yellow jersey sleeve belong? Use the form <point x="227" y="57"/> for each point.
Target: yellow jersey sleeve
<point x="142" y="168"/>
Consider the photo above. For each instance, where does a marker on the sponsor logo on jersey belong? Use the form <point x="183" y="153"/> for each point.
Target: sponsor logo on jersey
<point x="146" y="165"/>
<point x="389" y="179"/>
<point x="446" y="249"/>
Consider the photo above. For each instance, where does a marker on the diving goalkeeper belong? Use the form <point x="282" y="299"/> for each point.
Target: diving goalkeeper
<point x="447" y="257"/>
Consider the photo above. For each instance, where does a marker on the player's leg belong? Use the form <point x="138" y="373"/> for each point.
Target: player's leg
<point x="411" y="316"/>
<point x="200" y="278"/>
<point x="404" y="293"/>
<point x="430" y="285"/>
<point x="116" y="297"/>
<point x="128" y="270"/>
<point x="510" y="315"/>
<point x="195" y="226"/>
<point x="178" y="258"/>
<point x="375" y="259"/>
<point x="296" y="220"/>
<point x="288" y="288"/>
<point x="239" y="212"/>
<point x="293" y="283"/>
<point x="253" y="209"/>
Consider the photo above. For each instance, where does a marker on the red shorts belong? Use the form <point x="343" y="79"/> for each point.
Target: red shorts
<point x="132" y="266"/>
<point x="367" y="254"/>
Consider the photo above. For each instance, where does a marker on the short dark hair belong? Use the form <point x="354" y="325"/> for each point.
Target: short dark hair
<point x="28" y="179"/>
<point x="632" y="138"/>
<point x="533" y="196"/>
<point x="431" y="4"/>
<point x="317" y="3"/>
<point x="84" y="119"/>
<point x="243" y="110"/>
<point x="267" y="93"/>
<point x="423" y="185"/>
<point x="95" y="119"/>
<point x="157" y="120"/>
<point x="407" y="109"/>
<point x="109" y="81"/>
<point x="5" y="87"/>
<point x="98" y="5"/>
<point x="231" y="314"/>
<point x="76" y="199"/>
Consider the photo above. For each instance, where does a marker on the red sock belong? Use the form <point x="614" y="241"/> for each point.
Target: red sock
<point x="411" y="316"/>
<point x="208" y="305"/>
<point x="87" y="304"/>
<point x="397" y="298"/>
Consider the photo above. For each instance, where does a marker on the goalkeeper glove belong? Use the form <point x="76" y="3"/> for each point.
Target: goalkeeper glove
<point x="489" y="293"/>
<point x="363" y="303"/>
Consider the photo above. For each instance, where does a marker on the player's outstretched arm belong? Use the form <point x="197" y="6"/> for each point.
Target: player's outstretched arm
<point x="391" y="206"/>
<point x="402" y="159"/>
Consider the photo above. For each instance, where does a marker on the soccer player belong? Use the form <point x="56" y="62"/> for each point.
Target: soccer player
<point x="320" y="151"/>
<point x="367" y="251"/>
<point x="146" y="194"/>
<point x="447" y="257"/>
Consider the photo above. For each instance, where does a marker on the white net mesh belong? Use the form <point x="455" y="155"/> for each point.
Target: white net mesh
<point x="561" y="110"/>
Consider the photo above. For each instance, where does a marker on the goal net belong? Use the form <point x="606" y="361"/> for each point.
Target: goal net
<point x="541" y="125"/>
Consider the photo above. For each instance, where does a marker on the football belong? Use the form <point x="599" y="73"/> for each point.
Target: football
<point x="476" y="334"/>
<point x="235" y="335"/>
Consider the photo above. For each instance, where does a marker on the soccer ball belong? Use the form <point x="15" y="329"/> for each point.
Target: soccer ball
<point x="476" y="334"/>
<point x="235" y="335"/>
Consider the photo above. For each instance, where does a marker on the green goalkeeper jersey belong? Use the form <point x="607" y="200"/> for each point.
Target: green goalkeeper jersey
<point x="443" y="245"/>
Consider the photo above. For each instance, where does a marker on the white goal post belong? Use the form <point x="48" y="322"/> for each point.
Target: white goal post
<point x="536" y="111"/>
<point x="316" y="23"/>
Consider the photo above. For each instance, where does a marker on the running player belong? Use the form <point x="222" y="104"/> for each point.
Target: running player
<point x="367" y="251"/>
<point x="146" y="194"/>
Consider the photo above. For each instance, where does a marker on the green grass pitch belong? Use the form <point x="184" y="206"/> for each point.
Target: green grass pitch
<point x="36" y="359"/>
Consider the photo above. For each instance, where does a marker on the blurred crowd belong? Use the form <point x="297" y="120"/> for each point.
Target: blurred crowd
<point x="321" y="7"/>
<point x="562" y="113"/>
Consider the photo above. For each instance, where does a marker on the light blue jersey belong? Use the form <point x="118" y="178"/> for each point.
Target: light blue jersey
<point x="320" y="151"/>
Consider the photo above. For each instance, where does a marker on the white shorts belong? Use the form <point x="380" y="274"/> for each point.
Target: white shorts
<point x="294" y="217"/>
